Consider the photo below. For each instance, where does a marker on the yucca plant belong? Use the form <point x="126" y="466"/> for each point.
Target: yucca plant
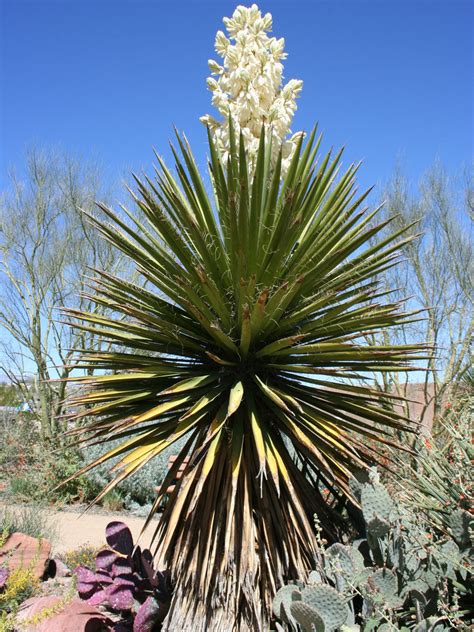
<point x="247" y="338"/>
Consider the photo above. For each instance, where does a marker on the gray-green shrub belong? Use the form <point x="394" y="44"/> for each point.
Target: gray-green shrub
<point x="140" y="487"/>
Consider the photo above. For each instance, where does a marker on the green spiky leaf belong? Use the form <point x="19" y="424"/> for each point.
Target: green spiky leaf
<point x="247" y="336"/>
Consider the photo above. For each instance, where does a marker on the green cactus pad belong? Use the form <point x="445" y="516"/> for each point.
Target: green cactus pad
<point x="308" y="617"/>
<point x="315" y="578"/>
<point x="357" y="481"/>
<point x="329" y="604"/>
<point x="357" y="555"/>
<point x="283" y="600"/>
<point x="340" y="557"/>
<point x="378" y="527"/>
<point x="460" y="523"/>
<point x="385" y="581"/>
<point x="384" y="584"/>
<point x="376" y="502"/>
<point x="360" y="578"/>
<point x="419" y="584"/>
<point x="450" y="551"/>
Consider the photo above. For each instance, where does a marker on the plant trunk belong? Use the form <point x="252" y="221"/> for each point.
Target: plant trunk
<point x="217" y="614"/>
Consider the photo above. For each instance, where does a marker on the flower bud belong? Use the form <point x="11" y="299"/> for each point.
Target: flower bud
<point x="221" y="43"/>
<point x="212" y="84"/>
<point x="267" y="21"/>
<point x="214" y="67"/>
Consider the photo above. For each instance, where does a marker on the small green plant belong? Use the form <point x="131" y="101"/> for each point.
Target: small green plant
<point x="24" y="488"/>
<point x="58" y="487"/>
<point x="16" y="586"/>
<point x="31" y="521"/>
<point x="20" y="584"/>
<point x="113" y="501"/>
<point x="43" y="480"/>
<point x="83" y="556"/>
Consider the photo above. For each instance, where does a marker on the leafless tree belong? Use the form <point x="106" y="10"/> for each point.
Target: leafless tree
<point x="46" y="248"/>
<point x="438" y="274"/>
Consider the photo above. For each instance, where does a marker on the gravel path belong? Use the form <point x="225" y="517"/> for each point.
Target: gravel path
<point x="73" y="529"/>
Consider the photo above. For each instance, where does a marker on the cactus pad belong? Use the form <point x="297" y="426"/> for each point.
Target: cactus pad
<point x="384" y="584"/>
<point x="283" y="600"/>
<point x="339" y="556"/>
<point x="308" y="617"/>
<point x="376" y="502"/>
<point x="328" y="603"/>
<point x="378" y="527"/>
<point x="461" y="522"/>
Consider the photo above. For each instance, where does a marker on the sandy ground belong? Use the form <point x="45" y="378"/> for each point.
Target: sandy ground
<point x="72" y="529"/>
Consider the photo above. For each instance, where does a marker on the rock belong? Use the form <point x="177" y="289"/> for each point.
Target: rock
<point x="57" y="586"/>
<point x="73" y="616"/>
<point x="58" y="568"/>
<point x="22" y="550"/>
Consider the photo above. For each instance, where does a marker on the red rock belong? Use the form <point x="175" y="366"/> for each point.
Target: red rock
<point x="22" y="550"/>
<point x="74" y="616"/>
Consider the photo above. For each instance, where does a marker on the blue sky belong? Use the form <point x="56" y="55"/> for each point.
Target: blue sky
<point x="107" y="79"/>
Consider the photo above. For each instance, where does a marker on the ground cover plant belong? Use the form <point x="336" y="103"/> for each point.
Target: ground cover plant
<point x="21" y="581"/>
<point x="242" y="338"/>
<point x="15" y="588"/>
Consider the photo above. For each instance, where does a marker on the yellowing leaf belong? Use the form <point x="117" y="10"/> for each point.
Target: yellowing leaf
<point x="188" y="385"/>
<point x="235" y="398"/>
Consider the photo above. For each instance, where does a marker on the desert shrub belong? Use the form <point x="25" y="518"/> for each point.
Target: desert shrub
<point x="31" y="521"/>
<point x="40" y="478"/>
<point x="140" y="487"/>
<point x="32" y="470"/>
<point x="24" y="488"/>
<point x="21" y="584"/>
<point x="18" y="440"/>
<point x="438" y="482"/>
<point x="43" y="480"/>
<point x="57" y="469"/>
<point x="113" y="501"/>
<point x="18" y="594"/>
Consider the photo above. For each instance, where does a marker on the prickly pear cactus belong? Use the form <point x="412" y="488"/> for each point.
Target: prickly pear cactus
<point x="395" y="579"/>
<point x="316" y="608"/>
<point x="377" y="506"/>
<point x="462" y="527"/>
<point x="307" y="617"/>
<point x="329" y="604"/>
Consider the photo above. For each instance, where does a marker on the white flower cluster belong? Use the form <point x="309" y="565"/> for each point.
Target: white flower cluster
<point x="248" y="86"/>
